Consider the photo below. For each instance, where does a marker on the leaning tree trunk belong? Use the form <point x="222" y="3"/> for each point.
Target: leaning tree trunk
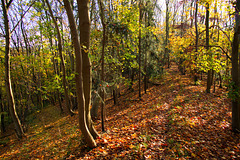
<point x="84" y="23"/>
<point x="66" y="92"/>
<point x="10" y="97"/>
<point x="79" y="80"/>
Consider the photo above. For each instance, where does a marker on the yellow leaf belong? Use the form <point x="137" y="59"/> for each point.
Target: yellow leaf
<point x="134" y="135"/>
<point x="131" y="146"/>
<point x="194" y="155"/>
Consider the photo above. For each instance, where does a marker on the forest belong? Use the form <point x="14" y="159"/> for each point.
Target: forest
<point x="119" y="79"/>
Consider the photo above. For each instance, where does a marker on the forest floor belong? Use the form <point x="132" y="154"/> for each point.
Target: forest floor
<point x="174" y="120"/>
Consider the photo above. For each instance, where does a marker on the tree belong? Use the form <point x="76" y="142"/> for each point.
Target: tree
<point x="66" y="92"/>
<point x="3" y="129"/>
<point x="139" y="48"/>
<point x="102" y="59"/>
<point x="84" y="23"/>
<point x="79" y="79"/>
<point x="166" y="56"/>
<point x="207" y="47"/>
<point x="196" y="40"/>
<point x="235" y="72"/>
<point x="8" y="84"/>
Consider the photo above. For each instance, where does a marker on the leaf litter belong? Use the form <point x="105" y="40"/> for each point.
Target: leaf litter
<point x="174" y="120"/>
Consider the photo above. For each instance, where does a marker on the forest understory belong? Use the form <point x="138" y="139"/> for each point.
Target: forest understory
<point x="174" y="120"/>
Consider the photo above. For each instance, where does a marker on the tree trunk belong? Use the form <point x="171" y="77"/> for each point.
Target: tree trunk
<point x="209" y="74"/>
<point x="196" y="41"/>
<point x="66" y="92"/>
<point x="10" y="97"/>
<point x="102" y="59"/>
<point x="167" y="33"/>
<point x="139" y="48"/>
<point x="235" y="73"/>
<point x="145" y="56"/>
<point x="58" y="93"/>
<point x="84" y="23"/>
<point x="2" y="115"/>
<point x="79" y="79"/>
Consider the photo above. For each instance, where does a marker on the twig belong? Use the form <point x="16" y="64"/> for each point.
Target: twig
<point x="22" y="17"/>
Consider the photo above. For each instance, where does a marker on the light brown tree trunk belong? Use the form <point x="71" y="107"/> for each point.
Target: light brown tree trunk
<point x="79" y="80"/>
<point x="66" y="92"/>
<point x="84" y="23"/>
<point x="10" y="97"/>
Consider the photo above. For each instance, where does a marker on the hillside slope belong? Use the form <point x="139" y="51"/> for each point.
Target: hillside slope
<point x="175" y="119"/>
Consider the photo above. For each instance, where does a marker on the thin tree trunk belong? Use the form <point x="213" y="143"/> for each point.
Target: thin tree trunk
<point x="3" y="129"/>
<point x="79" y="80"/>
<point x="209" y="74"/>
<point x="196" y="41"/>
<point x="145" y="56"/>
<point x="235" y="73"/>
<point x="103" y="55"/>
<point x="139" y="48"/>
<point x="10" y="97"/>
<point x="167" y="33"/>
<point x="66" y="92"/>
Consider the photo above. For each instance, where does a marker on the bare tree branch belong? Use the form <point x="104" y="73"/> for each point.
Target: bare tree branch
<point x="22" y="17"/>
<point x="219" y="29"/>
<point x="2" y="35"/>
<point x="220" y="48"/>
<point x="9" y="3"/>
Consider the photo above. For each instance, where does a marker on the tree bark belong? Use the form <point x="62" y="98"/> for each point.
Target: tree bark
<point x="84" y="23"/>
<point x="235" y="72"/>
<point x="146" y="51"/>
<point x="8" y="84"/>
<point x="167" y="33"/>
<point x="139" y="48"/>
<point x="79" y="79"/>
<point x="102" y="65"/>
<point x="196" y="41"/>
<point x="3" y="129"/>
<point x="209" y="74"/>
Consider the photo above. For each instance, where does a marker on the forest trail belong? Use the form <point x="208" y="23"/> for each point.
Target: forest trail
<point x="175" y="119"/>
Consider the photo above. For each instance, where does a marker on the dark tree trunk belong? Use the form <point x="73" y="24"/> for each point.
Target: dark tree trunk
<point x="235" y="73"/>
<point x="139" y="48"/>
<point x="102" y="59"/>
<point x="196" y="41"/>
<point x="2" y="115"/>
<point x="209" y="74"/>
